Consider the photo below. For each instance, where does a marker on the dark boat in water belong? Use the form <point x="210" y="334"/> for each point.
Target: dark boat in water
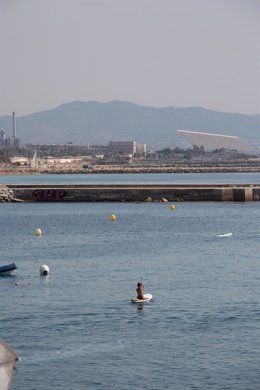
<point x="7" y="269"/>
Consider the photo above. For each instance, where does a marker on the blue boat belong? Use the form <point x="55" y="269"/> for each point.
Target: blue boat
<point x="7" y="269"/>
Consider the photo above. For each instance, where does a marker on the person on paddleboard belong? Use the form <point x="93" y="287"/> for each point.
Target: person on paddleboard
<point x="139" y="290"/>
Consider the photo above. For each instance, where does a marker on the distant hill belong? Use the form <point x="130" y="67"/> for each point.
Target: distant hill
<point x="98" y="123"/>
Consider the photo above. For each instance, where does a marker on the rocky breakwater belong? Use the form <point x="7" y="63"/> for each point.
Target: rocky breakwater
<point x="7" y="195"/>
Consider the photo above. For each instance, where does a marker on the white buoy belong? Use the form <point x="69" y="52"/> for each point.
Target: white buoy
<point x="44" y="270"/>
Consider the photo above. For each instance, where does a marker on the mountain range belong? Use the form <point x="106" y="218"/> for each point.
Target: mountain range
<point x="98" y="123"/>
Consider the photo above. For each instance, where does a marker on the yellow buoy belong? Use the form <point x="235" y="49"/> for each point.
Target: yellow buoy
<point x="172" y="207"/>
<point x="38" y="232"/>
<point x="113" y="217"/>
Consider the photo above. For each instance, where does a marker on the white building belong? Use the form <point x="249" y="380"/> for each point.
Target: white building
<point x="141" y="150"/>
<point x="216" y="141"/>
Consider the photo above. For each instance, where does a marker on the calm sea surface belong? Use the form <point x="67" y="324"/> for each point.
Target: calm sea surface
<point x="77" y="329"/>
<point x="246" y="178"/>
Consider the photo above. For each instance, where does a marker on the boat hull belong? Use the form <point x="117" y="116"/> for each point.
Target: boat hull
<point x="7" y="269"/>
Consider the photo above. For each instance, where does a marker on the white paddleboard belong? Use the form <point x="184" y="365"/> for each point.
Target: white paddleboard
<point x="224" y="235"/>
<point x="147" y="298"/>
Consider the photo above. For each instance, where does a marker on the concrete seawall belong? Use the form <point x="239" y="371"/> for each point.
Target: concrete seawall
<point x="136" y="192"/>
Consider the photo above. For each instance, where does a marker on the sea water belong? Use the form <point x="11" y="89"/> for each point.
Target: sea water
<point x="77" y="329"/>
<point x="136" y="178"/>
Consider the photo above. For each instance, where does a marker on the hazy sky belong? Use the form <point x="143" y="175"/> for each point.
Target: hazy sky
<point x="150" y="52"/>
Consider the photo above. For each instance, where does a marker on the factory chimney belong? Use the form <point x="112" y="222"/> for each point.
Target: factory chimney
<point x="14" y="127"/>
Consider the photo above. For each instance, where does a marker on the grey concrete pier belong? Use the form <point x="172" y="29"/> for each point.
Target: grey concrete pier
<point x="136" y="192"/>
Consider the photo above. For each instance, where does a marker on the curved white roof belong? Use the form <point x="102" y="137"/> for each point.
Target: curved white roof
<point x="216" y="141"/>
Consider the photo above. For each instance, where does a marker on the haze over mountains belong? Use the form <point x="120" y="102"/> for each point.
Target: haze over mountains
<point x="98" y="123"/>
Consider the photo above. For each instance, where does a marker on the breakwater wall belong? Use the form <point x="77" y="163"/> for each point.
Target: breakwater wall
<point x="136" y="192"/>
<point x="6" y="194"/>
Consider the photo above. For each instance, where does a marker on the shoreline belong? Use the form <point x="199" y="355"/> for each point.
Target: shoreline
<point x="106" y="169"/>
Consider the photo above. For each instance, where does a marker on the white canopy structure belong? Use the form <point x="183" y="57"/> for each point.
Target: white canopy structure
<point x="8" y="360"/>
<point x="216" y="141"/>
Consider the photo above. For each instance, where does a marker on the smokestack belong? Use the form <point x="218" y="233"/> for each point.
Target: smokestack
<point x="14" y="126"/>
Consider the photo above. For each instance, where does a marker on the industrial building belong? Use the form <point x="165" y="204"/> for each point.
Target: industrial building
<point x="8" y="143"/>
<point x="216" y="141"/>
<point x="65" y="149"/>
<point x="122" y="147"/>
<point x="141" y="150"/>
<point x="127" y="148"/>
<point x="114" y="148"/>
